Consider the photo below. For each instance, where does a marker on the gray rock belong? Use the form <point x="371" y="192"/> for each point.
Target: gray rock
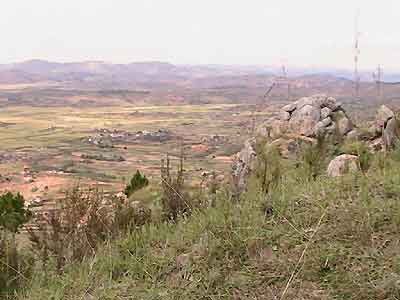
<point x="290" y="107"/>
<point x="326" y="121"/>
<point x="284" y="115"/>
<point x="332" y="104"/>
<point x="375" y="130"/>
<point x="303" y="120"/>
<point x="325" y="112"/>
<point x="320" y="127"/>
<point x="278" y="128"/>
<point x="391" y="134"/>
<point x="383" y="115"/>
<point x="343" y="164"/>
<point x="343" y="122"/>
<point x="331" y="129"/>
<point x="315" y="100"/>
<point x="353" y="135"/>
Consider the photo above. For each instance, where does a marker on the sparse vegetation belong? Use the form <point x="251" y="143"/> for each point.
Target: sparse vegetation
<point x="14" y="266"/>
<point x="72" y="232"/>
<point x="268" y="171"/>
<point x="293" y="233"/>
<point x="313" y="157"/>
<point x="321" y="239"/>
<point x="174" y="199"/>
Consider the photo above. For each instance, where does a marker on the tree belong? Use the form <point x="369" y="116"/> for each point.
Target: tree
<point x="138" y="181"/>
<point x="12" y="212"/>
<point x="13" y="216"/>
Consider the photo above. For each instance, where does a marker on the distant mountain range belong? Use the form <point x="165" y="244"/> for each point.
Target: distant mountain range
<point x="95" y="83"/>
<point x="151" y="72"/>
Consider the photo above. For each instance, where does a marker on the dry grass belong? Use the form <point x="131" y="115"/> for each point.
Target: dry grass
<point x="322" y="239"/>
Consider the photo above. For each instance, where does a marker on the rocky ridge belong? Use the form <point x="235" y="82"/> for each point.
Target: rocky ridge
<point x="304" y="120"/>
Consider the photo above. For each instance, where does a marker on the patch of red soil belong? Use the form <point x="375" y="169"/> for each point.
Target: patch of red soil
<point x="200" y="148"/>
<point x="53" y="183"/>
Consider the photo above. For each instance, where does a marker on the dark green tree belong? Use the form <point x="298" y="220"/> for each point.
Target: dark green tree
<point x="13" y="216"/>
<point x="12" y="212"/>
<point x="138" y="181"/>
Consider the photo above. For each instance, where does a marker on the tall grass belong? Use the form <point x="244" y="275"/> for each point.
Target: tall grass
<point x="322" y="239"/>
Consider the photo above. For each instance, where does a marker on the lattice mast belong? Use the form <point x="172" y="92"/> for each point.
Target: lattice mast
<point x="356" y="57"/>
<point x="377" y="76"/>
<point x="286" y="80"/>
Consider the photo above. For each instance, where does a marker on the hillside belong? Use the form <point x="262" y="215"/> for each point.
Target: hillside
<point x="308" y="210"/>
<point x="328" y="238"/>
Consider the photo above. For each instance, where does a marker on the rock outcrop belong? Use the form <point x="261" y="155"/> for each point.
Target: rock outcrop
<point x="297" y="123"/>
<point x="311" y="117"/>
<point x="385" y="131"/>
<point x="304" y="120"/>
<point x="343" y="164"/>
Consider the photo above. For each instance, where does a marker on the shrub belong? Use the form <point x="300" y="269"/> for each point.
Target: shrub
<point x="313" y="158"/>
<point x="174" y="200"/>
<point x="138" y="181"/>
<point x="129" y="216"/>
<point x="268" y="170"/>
<point x="13" y="267"/>
<point x="12" y="212"/>
<point x="82" y="220"/>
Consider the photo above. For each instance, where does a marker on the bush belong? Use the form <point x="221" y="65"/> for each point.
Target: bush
<point x="13" y="266"/>
<point x="82" y="220"/>
<point x="129" y="216"/>
<point x="313" y="158"/>
<point x="12" y="212"/>
<point x="268" y="170"/>
<point x="174" y="200"/>
<point x="138" y="181"/>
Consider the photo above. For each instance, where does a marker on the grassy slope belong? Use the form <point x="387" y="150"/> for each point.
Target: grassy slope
<point x="328" y="239"/>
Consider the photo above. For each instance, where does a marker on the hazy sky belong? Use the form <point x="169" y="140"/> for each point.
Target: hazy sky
<point x="297" y="32"/>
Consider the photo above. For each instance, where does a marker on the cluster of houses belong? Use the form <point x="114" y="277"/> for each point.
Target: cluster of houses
<point x="107" y="137"/>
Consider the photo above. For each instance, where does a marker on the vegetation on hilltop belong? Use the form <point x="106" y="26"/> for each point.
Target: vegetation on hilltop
<point x="296" y="237"/>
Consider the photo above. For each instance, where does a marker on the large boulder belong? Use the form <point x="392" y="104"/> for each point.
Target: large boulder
<point x="384" y="114"/>
<point x="313" y="116"/>
<point x="321" y="127"/>
<point x="289" y="107"/>
<point x="325" y="112"/>
<point x="284" y="115"/>
<point x="343" y="164"/>
<point x="385" y="130"/>
<point x="299" y="122"/>
<point x="344" y="124"/>
<point x="289" y="145"/>
<point x="304" y="119"/>
<point x="278" y="128"/>
<point x="391" y="133"/>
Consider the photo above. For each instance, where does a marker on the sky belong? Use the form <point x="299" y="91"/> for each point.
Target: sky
<point x="318" y="33"/>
